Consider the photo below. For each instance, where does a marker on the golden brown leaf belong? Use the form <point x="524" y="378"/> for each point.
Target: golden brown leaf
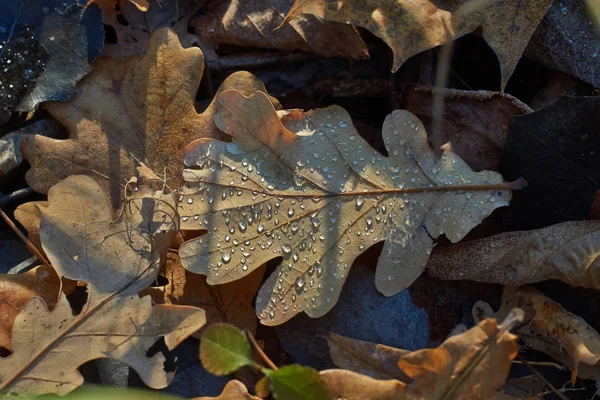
<point x="17" y="289"/>
<point x="116" y="260"/>
<point x="28" y="215"/>
<point x="254" y="23"/>
<point x="349" y="385"/>
<point x="231" y="302"/>
<point x="234" y="390"/>
<point x="410" y="27"/>
<point x="126" y="109"/>
<point x="109" y="8"/>
<point x="318" y="197"/>
<point x="567" y="252"/>
<point x="475" y="123"/>
<point x="551" y="329"/>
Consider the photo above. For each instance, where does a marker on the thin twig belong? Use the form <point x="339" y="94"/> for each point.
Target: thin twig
<point x="543" y="364"/>
<point x="14" y="196"/>
<point x="260" y="352"/>
<point x="29" y="245"/>
<point x="541" y="378"/>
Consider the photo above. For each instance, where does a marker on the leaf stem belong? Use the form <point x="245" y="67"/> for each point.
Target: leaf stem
<point x="260" y="352"/>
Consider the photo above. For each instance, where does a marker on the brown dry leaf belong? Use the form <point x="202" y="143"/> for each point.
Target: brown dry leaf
<point x="28" y="215"/>
<point x="474" y="123"/>
<point x="116" y="260"/>
<point x="567" y="252"/>
<point x="372" y="359"/>
<point x="231" y="302"/>
<point x="126" y="109"/>
<point x="317" y="198"/>
<point x="551" y="329"/>
<point x="410" y="27"/>
<point x="133" y="28"/>
<point x="109" y="8"/>
<point x="17" y="289"/>
<point x="234" y="390"/>
<point x="472" y="365"/>
<point x="254" y="23"/>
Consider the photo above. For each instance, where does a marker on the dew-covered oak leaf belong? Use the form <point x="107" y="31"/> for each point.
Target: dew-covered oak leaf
<point x="116" y="259"/>
<point x="129" y="109"/>
<point x="318" y="197"/>
<point x="410" y="27"/>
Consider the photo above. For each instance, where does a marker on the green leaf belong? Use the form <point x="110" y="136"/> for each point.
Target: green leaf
<point x="224" y="349"/>
<point x="295" y="382"/>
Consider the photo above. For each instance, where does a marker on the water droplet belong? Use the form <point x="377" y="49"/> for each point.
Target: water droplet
<point x="244" y="267"/>
<point x="190" y="200"/>
<point x="300" y="282"/>
<point x="352" y="138"/>
<point x="242" y="225"/>
<point x="359" y="202"/>
<point x="316" y="155"/>
<point x="286" y="248"/>
<point x="226" y="257"/>
<point x="260" y="229"/>
<point x="290" y="212"/>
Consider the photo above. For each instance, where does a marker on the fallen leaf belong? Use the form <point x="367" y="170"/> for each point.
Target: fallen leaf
<point x="157" y="121"/>
<point x="133" y="27"/>
<point x="471" y="365"/>
<point x="46" y="48"/>
<point x="297" y="382"/>
<point x="110" y="8"/>
<point x="474" y="124"/>
<point x="235" y="390"/>
<point x="17" y="289"/>
<point x="317" y="198"/>
<point x="224" y="349"/>
<point x="410" y="27"/>
<point x="28" y="215"/>
<point x="394" y="321"/>
<point x="567" y="252"/>
<point x="231" y="302"/>
<point x="116" y="260"/>
<point x="375" y="360"/>
<point x="555" y="151"/>
<point x="567" y="40"/>
<point x="551" y="329"/>
<point x="253" y="24"/>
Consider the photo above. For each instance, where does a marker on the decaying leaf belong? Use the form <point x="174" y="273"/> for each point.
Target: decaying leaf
<point x="375" y="360"/>
<point x="231" y="302"/>
<point x="254" y="23"/>
<point x="318" y="198"/>
<point x="567" y="252"/>
<point x="474" y="124"/>
<point x="133" y="26"/>
<point x="153" y="95"/>
<point x="116" y="260"/>
<point x="471" y="365"/>
<point x="46" y="48"/>
<point x="551" y="329"/>
<point x="17" y="289"/>
<point x="235" y="390"/>
<point x="410" y="27"/>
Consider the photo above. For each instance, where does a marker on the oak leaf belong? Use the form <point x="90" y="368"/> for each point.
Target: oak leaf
<point x="234" y="390"/>
<point x="17" y="289"/>
<point x="116" y="260"/>
<point x="129" y="109"/>
<point x="567" y="252"/>
<point x="317" y="198"/>
<point x="410" y="27"/>
<point x="231" y="302"/>
<point x="472" y="365"/>
<point x="252" y="24"/>
<point x="551" y="329"/>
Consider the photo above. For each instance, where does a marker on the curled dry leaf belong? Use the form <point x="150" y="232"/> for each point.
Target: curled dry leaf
<point x="154" y="94"/>
<point x="116" y="260"/>
<point x="320" y="196"/>
<point x="17" y="289"/>
<point x="567" y="252"/>
<point x="410" y="27"/>
<point x="471" y="365"/>
<point x="474" y="124"/>
<point x="254" y="23"/>
<point x="28" y="215"/>
<point x="551" y="329"/>
<point x="231" y="302"/>
<point x="234" y="390"/>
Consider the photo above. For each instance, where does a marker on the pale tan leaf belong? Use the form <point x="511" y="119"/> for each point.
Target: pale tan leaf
<point x="567" y="252"/>
<point x="253" y="24"/>
<point x="129" y="109"/>
<point x="553" y="330"/>
<point x="28" y="215"/>
<point x="375" y="360"/>
<point x="349" y="385"/>
<point x="17" y="289"/>
<point x="116" y="260"/>
<point x="234" y="390"/>
<point x="318" y="197"/>
<point x="410" y="27"/>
